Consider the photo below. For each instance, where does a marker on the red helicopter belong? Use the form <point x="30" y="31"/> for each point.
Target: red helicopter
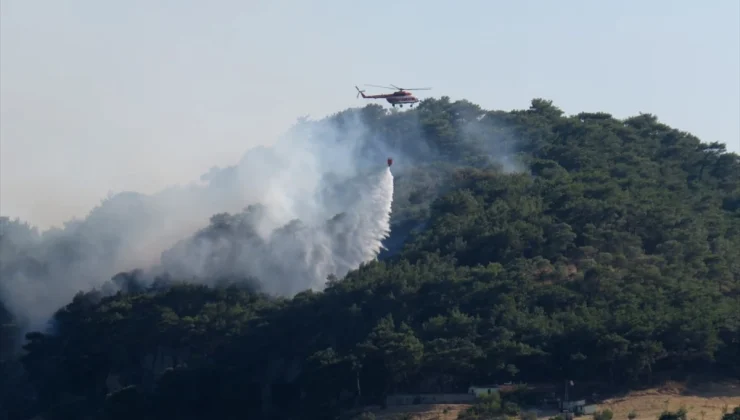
<point x="400" y="97"/>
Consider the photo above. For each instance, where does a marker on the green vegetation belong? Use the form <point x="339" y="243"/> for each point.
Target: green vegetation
<point x="614" y="257"/>
<point x="490" y="407"/>
<point x="680" y="414"/>
<point x="734" y="415"/>
<point x="603" y="415"/>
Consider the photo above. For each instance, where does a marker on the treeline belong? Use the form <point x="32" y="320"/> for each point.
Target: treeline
<point x="614" y="257"/>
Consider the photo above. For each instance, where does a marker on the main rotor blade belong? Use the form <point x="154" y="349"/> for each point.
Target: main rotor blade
<point x="410" y="88"/>
<point x="384" y="87"/>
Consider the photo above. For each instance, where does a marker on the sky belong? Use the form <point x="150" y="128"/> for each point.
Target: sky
<point x="102" y="97"/>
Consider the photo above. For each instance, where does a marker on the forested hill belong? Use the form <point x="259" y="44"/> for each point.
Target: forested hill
<point x="526" y="246"/>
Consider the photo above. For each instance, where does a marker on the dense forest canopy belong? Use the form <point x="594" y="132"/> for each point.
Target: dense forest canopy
<point x="525" y="246"/>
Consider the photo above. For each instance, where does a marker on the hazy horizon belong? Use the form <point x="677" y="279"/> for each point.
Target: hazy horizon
<point x="99" y="98"/>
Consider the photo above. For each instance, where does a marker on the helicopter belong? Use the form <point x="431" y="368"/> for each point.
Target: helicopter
<point x="400" y="97"/>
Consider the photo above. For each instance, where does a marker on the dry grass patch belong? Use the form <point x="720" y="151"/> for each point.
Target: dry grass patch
<point x="703" y="402"/>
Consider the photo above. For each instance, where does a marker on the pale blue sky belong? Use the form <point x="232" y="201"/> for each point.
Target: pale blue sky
<point x="99" y="96"/>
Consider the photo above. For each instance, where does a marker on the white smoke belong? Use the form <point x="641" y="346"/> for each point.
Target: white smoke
<point x="293" y="257"/>
<point x="316" y="171"/>
<point x="336" y="247"/>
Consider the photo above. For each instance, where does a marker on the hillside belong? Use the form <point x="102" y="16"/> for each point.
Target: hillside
<point x="525" y="246"/>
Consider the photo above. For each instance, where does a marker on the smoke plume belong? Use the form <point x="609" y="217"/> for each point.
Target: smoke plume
<point x="295" y="256"/>
<point x="314" y="204"/>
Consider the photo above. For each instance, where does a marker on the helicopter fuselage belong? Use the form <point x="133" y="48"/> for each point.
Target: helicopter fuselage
<point x="401" y="99"/>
